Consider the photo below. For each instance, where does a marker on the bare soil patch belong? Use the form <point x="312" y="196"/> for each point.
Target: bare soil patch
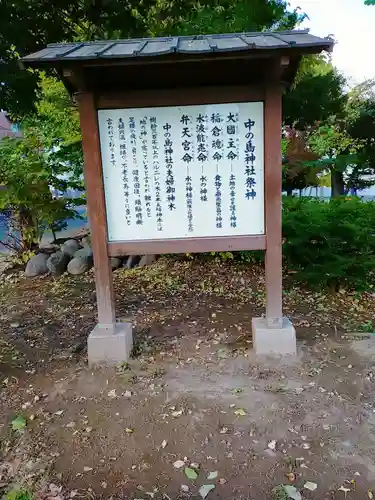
<point x="194" y="391"/>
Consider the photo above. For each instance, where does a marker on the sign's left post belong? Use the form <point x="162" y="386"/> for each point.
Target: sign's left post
<point x="110" y="342"/>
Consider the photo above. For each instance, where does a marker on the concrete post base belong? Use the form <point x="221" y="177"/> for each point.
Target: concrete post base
<point x="110" y="346"/>
<point x="274" y="341"/>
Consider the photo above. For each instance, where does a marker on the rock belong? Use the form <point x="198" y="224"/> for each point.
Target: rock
<point x="146" y="260"/>
<point x="86" y="241"/>
<point x="37" y="265"/>
<point x="57" y="263"/>
<point x="49" y="248"/>
<point x="79" y="265"/>
<point x="115" y="263"/>
<point x="84" y="252"/>
<point x="131" y="261"/>
<point x="70" y="247"/>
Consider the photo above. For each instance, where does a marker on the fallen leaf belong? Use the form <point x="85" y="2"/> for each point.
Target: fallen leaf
<point x="190" y="473"/>
<point x="127" y="394"/>
<point x="291" y="476"/>
<point x="292" y="492"/>
<point x="18" y="423"/>
<point x="177" y="413"/>
<point x="184" y="488"/>
<point x="87" y="469"/>
<point x="112" y="394"/>
<point x="272" y="445"/>
<point x="310" y="486"/>
<point x="129" y="430"/>
<point x="178" y="464"/>
<point x="212" y="475"/>
<point x="164" y="443"/>
<point x="240" y="412"/>
<point x="222" y="480"/>
<point x="344" y="490"/>
<point x="237" y="390"/>
<point x="205" y="489"/>
<point x="305" y="446"/>
<point x="370" y="494"/>
<point x="59" y="413"/>
<point x="193" y="465"/>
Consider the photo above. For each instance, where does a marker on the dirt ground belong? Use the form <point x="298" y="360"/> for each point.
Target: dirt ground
<point x="192" y="396"/>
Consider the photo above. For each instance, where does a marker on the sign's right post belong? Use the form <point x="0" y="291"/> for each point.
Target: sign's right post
<point x="273" y="334"/>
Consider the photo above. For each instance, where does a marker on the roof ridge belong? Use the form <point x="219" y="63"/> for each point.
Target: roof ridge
<point x="183" y="37"/>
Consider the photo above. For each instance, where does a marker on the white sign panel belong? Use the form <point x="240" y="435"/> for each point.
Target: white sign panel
<point x="183" y="171"/>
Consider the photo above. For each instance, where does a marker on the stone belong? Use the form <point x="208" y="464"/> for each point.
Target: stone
<point x="79" y="265"/>
<point x="70" y="247"/>
<point x="131" y="261"/>
<point x="86" y="241"/>
<point x="58" y="262"/>
<point x="274" y="341"/>
<point x="84" y="252"/>
<point x="115" y="263"/>
<point x="110" y="346"/>
<point x="37" y="265"/>
<point x="146" y="260"/>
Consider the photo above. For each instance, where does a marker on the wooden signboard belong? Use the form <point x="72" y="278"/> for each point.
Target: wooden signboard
<point x="194" y="167"/>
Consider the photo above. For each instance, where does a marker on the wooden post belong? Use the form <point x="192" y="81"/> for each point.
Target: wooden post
<point x="273" y="206"/>
<point x="97" y="211"/>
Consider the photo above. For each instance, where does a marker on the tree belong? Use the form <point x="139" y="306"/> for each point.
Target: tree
<point x="340" y="154"/>
<point x="28" y="173"/>
<point x="317" y="94"/>
<point x="29" y="25"/>
<point x="361" y="119"/>
<point x="297" y="173"/>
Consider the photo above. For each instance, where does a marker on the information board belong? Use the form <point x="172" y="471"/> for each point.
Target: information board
<point x="183" y="171"/>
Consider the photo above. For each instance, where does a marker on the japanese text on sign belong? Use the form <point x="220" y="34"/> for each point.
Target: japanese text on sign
<point x="176" y="172"/>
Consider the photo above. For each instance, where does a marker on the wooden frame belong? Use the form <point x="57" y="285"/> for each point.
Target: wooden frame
<point x="271" y="95"/>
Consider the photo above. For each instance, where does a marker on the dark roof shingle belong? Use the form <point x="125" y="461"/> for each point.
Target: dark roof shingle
<point x="200" y="44"/>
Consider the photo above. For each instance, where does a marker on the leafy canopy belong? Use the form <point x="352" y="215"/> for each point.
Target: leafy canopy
<point x="29" y="25"/>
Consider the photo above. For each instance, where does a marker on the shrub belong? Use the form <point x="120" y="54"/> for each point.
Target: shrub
<point x="330" y="243"/>
<point x="325" y="243"/>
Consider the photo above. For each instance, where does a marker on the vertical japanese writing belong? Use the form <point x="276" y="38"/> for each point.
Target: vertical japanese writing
<point x="232" y="154"/>
<point x="135" y="172"/>
<point x="168" y="157"/>
<point x="124" y="166"/>
<point x="146" y="173"/>
<point x="111" y="141"/>
<point x="233" y="139"/>
<point x="156" y="172"/>
<point x="187" y="147"/>
<point x="232" y="205"/>
<point x="202" y="152"/>
<point x="218" y="154"/>
<point x="250" y="158"/>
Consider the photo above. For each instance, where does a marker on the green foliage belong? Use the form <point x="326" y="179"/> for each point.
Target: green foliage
<point x="316" y="96"/>
<point x="325" y="244"/>
<point x="18" y="423"/>
<point x="18" y="494"/>
<point x="29" y="25"/>
<point x="234" y="16"/>
<point x="330" y="244"/>
<point x="27" y="173"/>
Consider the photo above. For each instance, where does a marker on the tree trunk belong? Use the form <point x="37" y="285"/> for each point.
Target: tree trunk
<point x="337" y="184"/>
<point x="289" y="191"/>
